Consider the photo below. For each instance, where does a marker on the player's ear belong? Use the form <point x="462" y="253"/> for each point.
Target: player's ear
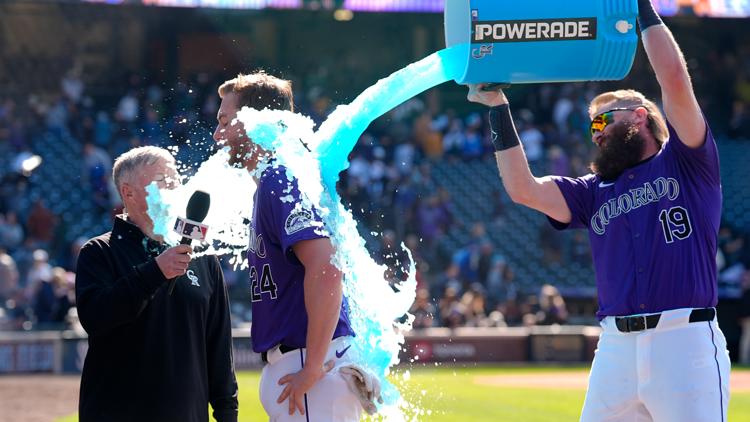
<point x="641" y="114"/>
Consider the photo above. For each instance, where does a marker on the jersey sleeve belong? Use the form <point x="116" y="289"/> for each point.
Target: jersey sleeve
<point x="702" y="163"/>
<point x="291" y="219"/>
<point x="579" y="195"/>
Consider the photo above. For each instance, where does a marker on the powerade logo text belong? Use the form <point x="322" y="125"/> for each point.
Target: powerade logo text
<point x="534" y="30"/>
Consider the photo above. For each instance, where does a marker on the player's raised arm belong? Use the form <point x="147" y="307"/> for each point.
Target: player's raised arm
<point x="668" y="62"/>
<point x="539" y="193"/>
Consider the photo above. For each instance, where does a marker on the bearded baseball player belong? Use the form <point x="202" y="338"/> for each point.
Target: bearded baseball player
<point x="652" y="208"/>
<point x="300" y="322"/>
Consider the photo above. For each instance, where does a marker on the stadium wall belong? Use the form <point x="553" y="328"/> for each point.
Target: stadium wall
<point x="64" y="352"/>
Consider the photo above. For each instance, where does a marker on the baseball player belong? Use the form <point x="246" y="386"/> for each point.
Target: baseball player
<point x="652" y="208"/>
<point x="300" y="322"/>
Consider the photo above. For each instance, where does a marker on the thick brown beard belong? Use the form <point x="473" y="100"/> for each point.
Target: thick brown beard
<point x="621" y="149"/>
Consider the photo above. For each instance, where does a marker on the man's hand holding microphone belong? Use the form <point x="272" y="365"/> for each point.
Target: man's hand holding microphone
<point x="174" y="261"/>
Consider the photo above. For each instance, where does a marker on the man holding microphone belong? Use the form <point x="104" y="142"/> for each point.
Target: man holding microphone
<point x="152" y="356"/>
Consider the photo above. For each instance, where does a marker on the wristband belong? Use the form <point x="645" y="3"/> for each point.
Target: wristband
<point x="503" y="131"/>
<point x="647" y="16"/>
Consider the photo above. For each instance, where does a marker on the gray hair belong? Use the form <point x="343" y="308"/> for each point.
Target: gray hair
<point x="130" y="162"/>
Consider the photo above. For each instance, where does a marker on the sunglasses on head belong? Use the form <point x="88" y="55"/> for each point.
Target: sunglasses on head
<point x="602" y="120"/>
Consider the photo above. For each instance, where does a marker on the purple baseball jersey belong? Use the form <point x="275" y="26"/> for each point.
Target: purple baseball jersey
<point x="276" y="275"/>
<point x="654" y="230"/>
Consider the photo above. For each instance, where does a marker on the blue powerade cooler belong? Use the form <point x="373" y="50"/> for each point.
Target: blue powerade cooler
<point x="531" y="41"/>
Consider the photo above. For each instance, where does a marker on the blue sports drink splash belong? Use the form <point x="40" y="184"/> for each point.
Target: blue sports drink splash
<point x="531" y="41"/>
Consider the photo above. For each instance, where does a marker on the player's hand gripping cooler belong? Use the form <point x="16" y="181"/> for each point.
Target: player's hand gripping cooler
<point x="533" y="41"/>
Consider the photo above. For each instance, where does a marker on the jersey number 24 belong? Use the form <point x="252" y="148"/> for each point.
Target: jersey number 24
<point x="262" y="283"/>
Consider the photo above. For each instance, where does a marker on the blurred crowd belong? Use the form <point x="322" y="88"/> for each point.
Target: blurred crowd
<point x="389" y="186"/>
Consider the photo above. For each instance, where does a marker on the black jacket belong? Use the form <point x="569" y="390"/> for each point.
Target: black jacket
<point x="152" y="357"/>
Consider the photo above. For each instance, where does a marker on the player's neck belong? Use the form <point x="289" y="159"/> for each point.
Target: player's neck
<point x="651" y="148"/>
<point x="255" y="165"/>
<point x="252" y="168"/>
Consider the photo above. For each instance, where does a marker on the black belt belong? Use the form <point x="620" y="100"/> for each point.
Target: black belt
<point x="283" y="349"/>
<point x="639" y="323"/>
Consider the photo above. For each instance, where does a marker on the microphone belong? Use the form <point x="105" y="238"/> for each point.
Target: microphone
<point x="192" y="227"/>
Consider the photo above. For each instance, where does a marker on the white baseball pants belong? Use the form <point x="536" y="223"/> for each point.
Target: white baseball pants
<point x="676" y="372"/>
<point x="330" y="400"/>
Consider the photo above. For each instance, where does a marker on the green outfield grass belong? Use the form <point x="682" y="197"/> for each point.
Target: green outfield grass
<point x="452" y="394"/>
